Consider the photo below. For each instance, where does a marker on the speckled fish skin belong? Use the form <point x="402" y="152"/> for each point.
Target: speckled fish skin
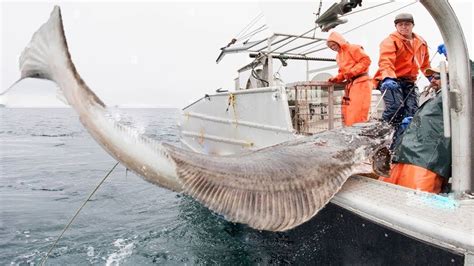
<point x="275" y="188"/>
<point x="282" y="186"/>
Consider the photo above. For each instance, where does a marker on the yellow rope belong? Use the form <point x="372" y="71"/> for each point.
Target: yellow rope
<point x="186" y="114"/>
<point x="201" y="136"/>
<point x="232" y="102"/>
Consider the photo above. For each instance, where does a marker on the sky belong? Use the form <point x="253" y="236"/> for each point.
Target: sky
<point x="162" y="54"/>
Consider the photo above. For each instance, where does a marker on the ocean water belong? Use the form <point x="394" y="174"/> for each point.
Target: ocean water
<point x="49" y="165"/>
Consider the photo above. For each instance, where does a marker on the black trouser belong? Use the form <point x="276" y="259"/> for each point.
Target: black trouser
<point x="399" y="102"/>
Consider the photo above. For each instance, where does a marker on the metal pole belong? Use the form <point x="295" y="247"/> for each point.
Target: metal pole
<point x="461" y="88"/>
<point x="445" y="95"/>
<point x="270" y="62"/>
<point x="331" y="106"/>
<point x="307" y="71"/>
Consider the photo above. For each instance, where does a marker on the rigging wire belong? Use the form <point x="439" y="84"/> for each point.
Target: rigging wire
<point x="357" y="27"/>
<point x="379" y="17"/>
<point x="292" y="40"/>
<point x="252" y="33"/>
<point x="250" y="25"/>
<point x="43" y="261"/>
<point x="368" y="8"/>
<point x="345" y="15"/>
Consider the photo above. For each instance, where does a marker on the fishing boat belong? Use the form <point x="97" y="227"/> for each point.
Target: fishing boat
<point x="263" y="111"/>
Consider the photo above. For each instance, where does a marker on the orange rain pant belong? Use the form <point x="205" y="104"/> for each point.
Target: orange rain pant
<point x="415" y="177"/>
<point x="355" y="109"/>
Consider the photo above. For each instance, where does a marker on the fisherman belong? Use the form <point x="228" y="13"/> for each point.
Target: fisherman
<point x="402" y="54"/>
<point x="353" y="65"/>
<point x="422" y="160"/>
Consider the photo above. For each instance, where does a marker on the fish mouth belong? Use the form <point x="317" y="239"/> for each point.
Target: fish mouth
<point x="381" y="159"/>
<point x="275" y="188"/>
<point x="378" y="154"/>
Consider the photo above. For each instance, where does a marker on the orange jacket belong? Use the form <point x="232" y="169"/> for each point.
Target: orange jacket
<point x="351" y="58"/>
<point x="353" y="62"/>
<point x="400" y="57"/>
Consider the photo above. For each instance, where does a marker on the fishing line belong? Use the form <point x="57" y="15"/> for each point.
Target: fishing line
<point x="77" y="213"/>
<point x="377" y="105"/>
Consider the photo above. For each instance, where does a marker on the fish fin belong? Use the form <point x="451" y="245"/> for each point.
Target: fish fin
<point x="254" y="189"/>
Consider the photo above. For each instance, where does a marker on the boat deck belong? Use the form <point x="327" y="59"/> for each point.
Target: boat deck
<point x="436" y="219"/>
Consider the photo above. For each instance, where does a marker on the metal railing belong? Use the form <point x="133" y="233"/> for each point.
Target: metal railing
<point x="315" y="106"/>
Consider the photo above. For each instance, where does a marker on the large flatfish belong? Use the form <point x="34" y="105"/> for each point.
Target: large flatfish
<point x="274" y="188"/>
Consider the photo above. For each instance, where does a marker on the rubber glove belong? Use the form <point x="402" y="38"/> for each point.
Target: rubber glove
<point x="389" y="84"/>
<point x="406" y="121"/>
<point x="442" y="50"/>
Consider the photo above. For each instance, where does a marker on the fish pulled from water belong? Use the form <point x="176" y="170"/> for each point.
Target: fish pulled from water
<point x="275" y="188"/>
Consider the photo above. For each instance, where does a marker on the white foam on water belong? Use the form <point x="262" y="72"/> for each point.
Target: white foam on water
<point x="125" y="250"/>
<point x="90" y="251"/>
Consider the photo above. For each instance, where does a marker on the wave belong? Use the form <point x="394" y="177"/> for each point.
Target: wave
<point x="124" y="251"/>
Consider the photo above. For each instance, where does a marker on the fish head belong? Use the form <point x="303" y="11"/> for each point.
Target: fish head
<point x="377" y="137"/>
<point x="370" y="139"/>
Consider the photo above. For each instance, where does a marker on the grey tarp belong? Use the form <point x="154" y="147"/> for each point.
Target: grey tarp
<point x="423" y="143"/>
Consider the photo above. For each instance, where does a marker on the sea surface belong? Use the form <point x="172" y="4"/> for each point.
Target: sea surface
<point x="49" y="165"/>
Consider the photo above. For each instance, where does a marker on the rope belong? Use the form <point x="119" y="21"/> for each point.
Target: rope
<point x="201" y="136"/>
<point x="77" y="213"/>
<point x="231" y="102"/>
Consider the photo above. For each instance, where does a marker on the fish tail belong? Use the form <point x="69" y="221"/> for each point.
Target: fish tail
<point x="47" y="57"/>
